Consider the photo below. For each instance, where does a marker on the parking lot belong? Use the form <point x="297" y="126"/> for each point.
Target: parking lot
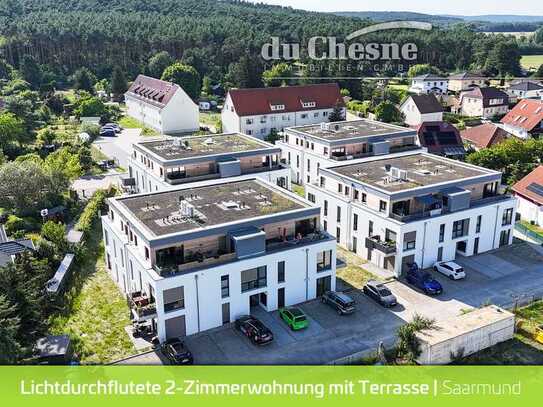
<point x="499" y="277"/>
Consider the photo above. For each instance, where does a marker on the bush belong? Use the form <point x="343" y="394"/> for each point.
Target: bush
<point x="56" y="234"/>
<point x="19" y="226"/>
<point x="91" y="212"/>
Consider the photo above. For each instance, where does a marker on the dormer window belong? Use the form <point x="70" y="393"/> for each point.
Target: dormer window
<point x="308" y="104"/>
<point x="277" y="107"/>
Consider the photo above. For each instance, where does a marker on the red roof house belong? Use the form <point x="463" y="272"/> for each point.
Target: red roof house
<point x="526" y="118"/>
<point x="484" y="136"/>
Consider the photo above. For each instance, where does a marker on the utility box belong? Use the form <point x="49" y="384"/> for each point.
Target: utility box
<point x="465" y="334"/>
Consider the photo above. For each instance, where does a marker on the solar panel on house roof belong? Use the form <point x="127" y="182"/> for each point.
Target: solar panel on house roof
<point x="535" y="188"/>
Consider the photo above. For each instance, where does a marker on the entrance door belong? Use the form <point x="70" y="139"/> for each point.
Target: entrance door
<point x="175" y="327"/>
<point x="225" y="313"/>
<point x="254" y="300"/>
<point x="461" y="246"/>
<point x="323" y="284"/>
<point x="405" y="262"/>
<point x="281" y="298"/>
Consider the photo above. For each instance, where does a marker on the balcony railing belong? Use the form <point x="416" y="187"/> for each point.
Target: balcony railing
<point x="142" y="306"/>
<point x="384" y="246"/>
<point x="205" y="262"/>
<point x="293" y="241"/>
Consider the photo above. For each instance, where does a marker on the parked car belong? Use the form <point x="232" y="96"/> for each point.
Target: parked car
<point x="255" y="330"/>
<point x="294" y="318"/>
<point x="107" y="132"/>
<point x="450" y="269"/>
<point x="176" y="352"/>
<point x="114" y="126"/>
<point x="341" y="302"/>
<point x="423" y="281"/>
<point x="380" y="293"/>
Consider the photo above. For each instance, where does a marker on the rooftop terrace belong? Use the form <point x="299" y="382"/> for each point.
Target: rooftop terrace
<point x="420" y="170"/>
<point x="211" y="205"/>
<point x="351" y="129"/>
<point x="188" y="147"/>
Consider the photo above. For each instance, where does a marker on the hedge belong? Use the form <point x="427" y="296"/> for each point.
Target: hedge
<point x="92" y="210"/>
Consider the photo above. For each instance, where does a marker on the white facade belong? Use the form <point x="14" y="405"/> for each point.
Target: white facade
<point x="529" y="210"/>
<point x="413" y="116"/>
<point x="179" y="115"/>
<point x="424" y="86"/>
<point x="354" y="213"/>
<point x="262" y="125"/>
<point x="211" y="294"/>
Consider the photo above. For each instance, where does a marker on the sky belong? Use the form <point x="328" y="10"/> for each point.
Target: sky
<point x="459" y="7"/>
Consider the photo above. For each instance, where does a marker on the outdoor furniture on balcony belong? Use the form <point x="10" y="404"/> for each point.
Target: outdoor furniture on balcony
<point x="291" y="241"/>
<point x="387" y="247"/>
<point x="197" y="261"/>
<point x="143" y="307"/>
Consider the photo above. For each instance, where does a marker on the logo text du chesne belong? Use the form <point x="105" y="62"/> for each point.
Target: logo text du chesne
<point x="328" y="48"/>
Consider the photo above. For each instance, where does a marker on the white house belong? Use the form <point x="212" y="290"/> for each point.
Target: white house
<point x="484" y="102"/>
<point x="525" y="120"/>
<point x="258" y="112"/>
<point x="157" y="165"/>
<point x="308" y="148"/>
<point x="196" y="258"/>
<point x="161" y="105"/>
<point x="529" y="192"/>
<point x="465" y="81"/>
<point x="524" y="89"/>
<point x="413" y="207"/>
<point x="428" y="83"/>
<point x="418" y="109"/>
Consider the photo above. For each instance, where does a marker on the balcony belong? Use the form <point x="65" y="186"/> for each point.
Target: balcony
<point x="197" y="262"/>
<point x="387" y="247"/>
<point x="177" y="178"/>
<point x="143" y="308"/>
<point x="289" y="242"/>
<point x="350" y="156"/>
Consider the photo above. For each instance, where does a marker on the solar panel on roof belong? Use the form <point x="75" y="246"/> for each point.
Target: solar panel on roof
<point x="535" y="188"/>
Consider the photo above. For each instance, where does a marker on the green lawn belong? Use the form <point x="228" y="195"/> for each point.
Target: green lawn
<point x="533" y="228"/>
<point x="128" y="122"/>
<point x="353" y="273"/>
<point x="531" y="61"/>
<point x="97" y="154"/>
<point x="95" y="313"/>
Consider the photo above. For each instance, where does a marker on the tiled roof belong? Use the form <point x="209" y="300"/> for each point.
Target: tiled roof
<point x="465" y="76"/>
<point x="153" y="91"/>
<point x="526" y="86"/>
<point x="526" y="114"/>
<point x="531" y="186"/>
<point x="485" y="135"/>
<point x="248" y="102"/>
<point x="430" y="77"/>
<point x="427" y="103"/>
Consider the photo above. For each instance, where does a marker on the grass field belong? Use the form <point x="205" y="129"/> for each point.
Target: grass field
<point x="531" y="61"/>
<point x="353" y="273"/>
<point x="128" y="122"/>
<point x="95" y="313"/>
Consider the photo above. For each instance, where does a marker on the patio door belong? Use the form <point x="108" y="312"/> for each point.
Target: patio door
<point x="323" y="284"/>
<point x="281" y="298"/>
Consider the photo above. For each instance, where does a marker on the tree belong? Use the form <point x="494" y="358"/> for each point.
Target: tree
<point x="31" y="71"/>
<point x="158" y="63"/>
<point x="118" y="82"/>
<point x="244" y="74"/>
<point x="338" y="114"/>
<point x="90" y="107"/>
<point x="422" y="69"/>
<point x="11" y="129"/>
<point x="64" y="161"/>
<point x="85" y="158"/>
<point x="539" y="73"/>
<point x="84" y="80"/>
<point x="504" y="59"/>
<point x="272" y="137"/>
<point x="56" y="234"/>
<point x="387" y="112"/>
<point x="538" y="36"/>
<point x="408" y="345"/>
<point x="185" y="76"/>
<point x="10" y="324"/>
<point x="206" y="86"/>
<point x="45" y="137"/>
<point x="6" y="70"/>
<point x="275" y="76"/>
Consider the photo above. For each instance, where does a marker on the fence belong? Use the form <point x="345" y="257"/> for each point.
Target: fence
<point x="536" y="237"/>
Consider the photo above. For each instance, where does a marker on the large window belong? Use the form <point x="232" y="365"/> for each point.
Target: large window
<point x="507" y="217"/>
<point x="281" y="272"/>
<point x="338" y="217"/>
<point x="174" y="299"/>
<point x="325" y="208"/>
<point x="478" y="225"/>
<point x="324" y="260"/>
<point x="253" y="279"/>
<point x="382" y="206"/>
<point x="409" y="240"/>
<point x="225" y="286"/>
<point x="460" y="228"/>
<point x="355" y="222"/>
<point x="441" y="233"/>
<point x="504" y="237"/>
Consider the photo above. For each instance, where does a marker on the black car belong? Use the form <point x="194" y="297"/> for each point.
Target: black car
<point x="176" y="352"/>
<point x="107" y="132"/>
<point x="380" y="293"/>
<point x="255" y="330"/>
<point x="341" y="302"/>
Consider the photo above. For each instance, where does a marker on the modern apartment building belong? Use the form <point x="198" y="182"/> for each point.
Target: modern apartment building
<point x="197" y="257"/>
<point x="260" y="111"/>
<point x="308" y="148"/>
<point x="163" y="164"/>
<point x="413" y="207"/>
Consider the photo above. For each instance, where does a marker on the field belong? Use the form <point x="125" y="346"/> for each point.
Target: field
<point x="531" y="61"/>
<point x="128" y="122"/>
<point x="518" y="34"/>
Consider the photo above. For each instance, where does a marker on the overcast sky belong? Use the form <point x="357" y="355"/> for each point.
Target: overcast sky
<point x="463" y="7"/>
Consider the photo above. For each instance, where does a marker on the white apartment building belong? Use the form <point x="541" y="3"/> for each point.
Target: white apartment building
<point x="429" y="83"/>
<point x="196" y="258"/>
<point x="165" y="163"/>
<point x="308" y="148"/>
<point x="413" y="208"/>
<point x="258" y="112"/>
<point x="161" y="105"/>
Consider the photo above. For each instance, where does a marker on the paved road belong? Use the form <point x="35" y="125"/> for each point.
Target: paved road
<point x="498" y="277"/>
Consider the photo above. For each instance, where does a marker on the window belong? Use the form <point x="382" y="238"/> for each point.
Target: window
<point x="308" y="165"/>
<point x="338" y="214"/>
<point x="306" y="144"/>
<point x="440" y="254"/>
<point x="281" y="272"/>
<point x="297" y="161"/>
<point x="504" y="237"/>
<point x="325" y="150"/>
<point x="304" y="116"/>
<point x="478" y="225"/>
<point x="364" y="198"/>
<point x="356" y="194"/>
<point x="106" y="237"/>
<point x="323" y="182"/>
<point x="355" y="222"/>
<point x="354" y="245"/>
<point x="382" y="206"/>
<point x="325" y="208"/>
<point x="325" y="225"/>
<point x="253" y="279"/>
<point x="346" y="191"/>
<point x="174" y="299"/>
<point x="146" y="253"/>
<point x="225" y="286"/>
<point x="340" y="188"/>
<point x="289" y="157"/>
<point x="370" y="228"/>
<point x="324" y="260"/>
<point x="311" y="197"/>
<point x="312" y="146"/>
<point x="441" y="233"/>
<point x="338" y="234"/>
<point x="248" y="121"/>
<point x="409" y="240"/>
<point x="507" y="217"/>
<point x="460" y="228"/>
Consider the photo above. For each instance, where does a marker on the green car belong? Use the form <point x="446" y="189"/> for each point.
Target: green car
<point x="294" y="317"/>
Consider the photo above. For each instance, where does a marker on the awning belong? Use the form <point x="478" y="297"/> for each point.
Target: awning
<point x="427" y="200"/>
